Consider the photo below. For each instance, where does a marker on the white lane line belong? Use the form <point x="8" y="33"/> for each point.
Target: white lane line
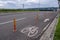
<point x="46" y="26"/>
<point x="11" y="21"/>
<point x="43" y="30"/>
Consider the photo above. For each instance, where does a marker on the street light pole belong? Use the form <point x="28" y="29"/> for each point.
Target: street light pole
<point x="37" y="16"/>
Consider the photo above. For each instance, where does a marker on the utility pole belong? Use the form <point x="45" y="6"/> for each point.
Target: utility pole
<point x="23" y="7"/>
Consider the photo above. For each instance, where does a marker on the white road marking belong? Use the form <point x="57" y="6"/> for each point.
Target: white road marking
<point x="46" y="20"/>
<point x="46" y="27"/>
<point x="30" y="31"/>
<point x="43" y="29"/>
<point x="11" y="21"/>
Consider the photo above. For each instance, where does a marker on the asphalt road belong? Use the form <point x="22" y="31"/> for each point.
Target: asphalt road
<point x="25" y="20"/>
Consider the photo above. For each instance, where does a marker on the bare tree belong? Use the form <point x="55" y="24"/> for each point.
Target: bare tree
<point x="59" y="7"/>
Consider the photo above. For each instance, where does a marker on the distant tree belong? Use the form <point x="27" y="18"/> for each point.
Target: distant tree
<point x="59" y="3"/>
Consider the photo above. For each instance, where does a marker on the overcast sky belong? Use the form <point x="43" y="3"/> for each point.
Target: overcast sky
<point x="28" y="3"/>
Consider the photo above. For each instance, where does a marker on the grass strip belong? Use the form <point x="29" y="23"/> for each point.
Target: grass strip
<point x="57" y="32"/>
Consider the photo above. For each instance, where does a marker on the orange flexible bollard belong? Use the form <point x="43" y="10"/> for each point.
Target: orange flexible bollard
<point x="14" y="21"/>
<point x="36" y="20"/>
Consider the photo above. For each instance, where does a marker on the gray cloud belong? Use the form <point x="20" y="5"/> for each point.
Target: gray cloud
<point x="28" y="3"/>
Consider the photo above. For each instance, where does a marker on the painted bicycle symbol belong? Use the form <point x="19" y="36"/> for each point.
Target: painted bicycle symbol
<point x="31" y="31"/>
